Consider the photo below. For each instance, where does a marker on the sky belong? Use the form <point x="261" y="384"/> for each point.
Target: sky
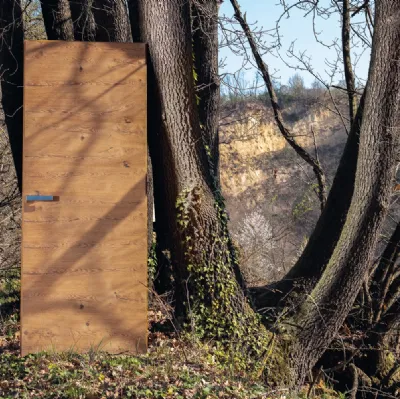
<point x="297" y="28"/>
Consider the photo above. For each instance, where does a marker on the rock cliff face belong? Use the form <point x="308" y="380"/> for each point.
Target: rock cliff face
<point x="261" y="173"/>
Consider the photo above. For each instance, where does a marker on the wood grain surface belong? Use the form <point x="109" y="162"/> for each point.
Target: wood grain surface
<point x="84" y="255"/>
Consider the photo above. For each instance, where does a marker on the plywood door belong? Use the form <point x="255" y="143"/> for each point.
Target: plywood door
<point x="84" y="254"/>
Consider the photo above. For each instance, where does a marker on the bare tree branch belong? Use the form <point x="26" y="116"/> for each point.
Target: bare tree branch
<point x="348" y="68"/>
<point x="287" y="134"/>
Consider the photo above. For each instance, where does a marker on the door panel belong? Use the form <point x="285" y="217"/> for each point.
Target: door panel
<point x="84" y="254"/>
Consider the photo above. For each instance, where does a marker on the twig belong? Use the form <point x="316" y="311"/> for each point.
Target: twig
<point x="287" y="134"/>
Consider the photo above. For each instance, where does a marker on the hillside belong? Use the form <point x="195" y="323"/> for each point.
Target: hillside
<point x="262" y="174"/>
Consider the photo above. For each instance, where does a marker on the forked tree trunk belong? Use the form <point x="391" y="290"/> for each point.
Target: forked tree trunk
<point x="323" y="312"/>
<point x="205" y="51"/>
<point x="304" y="275"/>
<point x="322" y="242"/>
<point x="57" y="19"/>
<point x="11" y="64"/>
<point x="195" y="218"/>
<point x="83" y="20"/>
<point x="310" y="266"/>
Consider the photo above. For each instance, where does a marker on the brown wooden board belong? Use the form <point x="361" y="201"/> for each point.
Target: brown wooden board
<point x="84" y="254"/>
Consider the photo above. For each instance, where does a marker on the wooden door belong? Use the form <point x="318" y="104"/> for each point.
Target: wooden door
<point x="84" y="240"/>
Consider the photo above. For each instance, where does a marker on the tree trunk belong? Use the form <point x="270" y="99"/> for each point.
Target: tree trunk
<point x="383" y="288"/>
<point x="323" y="312"/>
<point x="375" y="353"/>
<point x="83" y="20"/>
<point x="196" y="222"/>
<point x="379" y="352"/>
<point x="155" y="133"/>
<point x="134" y="22"/>
<point x="57" y="19"/>
<point x="134" y="18"/>
<point x="11" y="62"/>
<point x="205" y="51"/>
<point x="112" y="23"/>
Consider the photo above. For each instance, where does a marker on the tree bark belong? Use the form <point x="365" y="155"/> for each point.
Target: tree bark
<point x="388" y="258"/>
<point x="57" y="19"/>
<point x="383" y="287"/>
<point x="83" y="20"/>
<point x="195" y="219"/>
<point x="205" y="51"/>
<point x="112" y="23"/>
<point x="323" y="312"/>
<point x="11" y="63"/>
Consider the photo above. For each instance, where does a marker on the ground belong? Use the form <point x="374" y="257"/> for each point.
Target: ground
<point x="175" y="366"/>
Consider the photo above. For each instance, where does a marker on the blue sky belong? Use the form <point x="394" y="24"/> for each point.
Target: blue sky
<point x="298" y="28"/>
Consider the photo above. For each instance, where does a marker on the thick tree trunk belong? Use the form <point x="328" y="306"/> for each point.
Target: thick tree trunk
<point x="112" y="22"/>
<point x="83" y="20"/>
<point x="11" y="63"/>
<point x="57" y="19"/>
<point x="205" y="49"/>
<point x="325" y="309"/>
<point x="196" y="222"/>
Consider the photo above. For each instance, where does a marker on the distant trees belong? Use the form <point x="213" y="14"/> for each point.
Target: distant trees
<point x="255" y="239"/>
<point x="296" y="85"/>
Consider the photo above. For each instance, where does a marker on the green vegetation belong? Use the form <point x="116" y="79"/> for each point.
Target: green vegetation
<point x="175" y="367"/>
